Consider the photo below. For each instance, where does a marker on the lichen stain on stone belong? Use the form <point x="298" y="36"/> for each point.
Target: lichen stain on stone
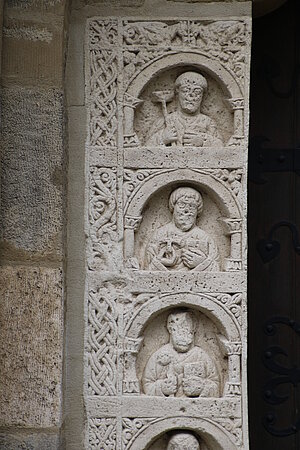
<point x="28" y="33"/>
<point x="57" y="177"/>
<point x="10" y="252"/>
<point x="26" y="4"/>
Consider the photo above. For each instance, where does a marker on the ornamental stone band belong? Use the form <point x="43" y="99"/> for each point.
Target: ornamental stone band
<point x="166" y="323"/>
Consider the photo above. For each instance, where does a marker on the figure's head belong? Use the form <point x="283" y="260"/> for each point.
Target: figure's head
<point x="181" y="325"/>
<point x="186" y="204"/>
<point x="190" y="87"/>
<point x="183" y="441"/>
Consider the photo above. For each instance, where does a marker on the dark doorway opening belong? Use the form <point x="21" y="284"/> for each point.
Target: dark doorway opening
<point x="273" y="226"/>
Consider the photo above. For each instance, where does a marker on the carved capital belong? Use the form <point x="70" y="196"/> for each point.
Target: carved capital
<point x="232" y="225"/>
<point x="235" y="141"/>
<point x="132" y="223"/>
<point x="131" y="387"/>
<point x="235" y="103"/>
<point x="132" y="345"/>
<point x="130" y="101"/>
<point x="232" y="389"/>
<point x="131" y="140"/>
<point x="233" y="348"/>
<point x="232" y="265"/>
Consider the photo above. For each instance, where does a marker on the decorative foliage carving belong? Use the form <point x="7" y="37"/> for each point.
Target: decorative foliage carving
<point x="135" y="59"/>
<point x="102" y="217"/>
<point x="232" y="302"/>
<point x="156" y="33"/>
<point x="224" y="40"/>
<point x="131" y="427"/>
<point x="103" y="33"/>
<point x="232" y="178"/>
<point x="102" y="342"/>
<point x="234" y="427"/>
<point x="134" y="178"/>
<point x="102" y="434"/>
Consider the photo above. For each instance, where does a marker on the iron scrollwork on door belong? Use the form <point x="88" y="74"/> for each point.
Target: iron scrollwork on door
<point x="269" y="248"/>
<point x="283" y="375"/>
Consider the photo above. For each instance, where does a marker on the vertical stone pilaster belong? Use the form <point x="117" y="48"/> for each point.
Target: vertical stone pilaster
<point x="167" y="103"/>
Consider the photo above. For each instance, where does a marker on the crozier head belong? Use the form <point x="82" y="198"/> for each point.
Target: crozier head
<point x="183" y="441"/>
<point x="181" y="325"/>
<point x="186" y="204"/>
<point x="190" y="87"/>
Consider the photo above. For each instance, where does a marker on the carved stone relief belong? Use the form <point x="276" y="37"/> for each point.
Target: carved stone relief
<point x="186" y="365"/>
<point x="173" y="112"/>
<point x="165" y="285"/>
<point x="180" y="244"/>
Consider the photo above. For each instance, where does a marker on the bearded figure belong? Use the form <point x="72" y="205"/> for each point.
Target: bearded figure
<point x="181" y="244"/>
<point x="181" y="368"/>
<point x="186" y="126"/>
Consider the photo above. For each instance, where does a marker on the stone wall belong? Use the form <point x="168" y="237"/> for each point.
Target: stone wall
<point x="32" y="223"/>
<point x="56" y="180"/>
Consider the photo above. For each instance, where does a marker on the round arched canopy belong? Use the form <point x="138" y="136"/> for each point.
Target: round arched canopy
<point x="225" y="321"/>
<point x="216" y="188"/>
<point x="213" y="434"/>
<point x="179" y="59"/>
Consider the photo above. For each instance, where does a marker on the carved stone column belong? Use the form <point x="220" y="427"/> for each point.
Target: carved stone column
<point x="233" y="386"/>
<point x="130" y="137"/>
<point x="233" y="228"/>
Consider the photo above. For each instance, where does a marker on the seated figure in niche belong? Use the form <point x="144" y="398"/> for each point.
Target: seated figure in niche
<point x="181" y="244"/>
<point x="181" y="368"/>
<point x="186" y="126"/>
<point x="183" y="441"/>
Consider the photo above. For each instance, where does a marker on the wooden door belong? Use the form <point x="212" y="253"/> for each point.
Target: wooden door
<point x="274" y="224"/>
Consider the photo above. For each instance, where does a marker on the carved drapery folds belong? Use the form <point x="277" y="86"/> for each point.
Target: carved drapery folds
<point x="166" y="245"/>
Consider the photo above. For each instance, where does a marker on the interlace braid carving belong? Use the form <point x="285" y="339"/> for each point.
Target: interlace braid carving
<point x="102" y="343"/>
<point x="103" y="98"/>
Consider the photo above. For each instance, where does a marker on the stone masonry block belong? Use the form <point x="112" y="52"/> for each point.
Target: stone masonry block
<point x="32" y="174"/>
<point x="33" y="51"/>
<point x="29" y="441"/>
<point x="30" y="347"/>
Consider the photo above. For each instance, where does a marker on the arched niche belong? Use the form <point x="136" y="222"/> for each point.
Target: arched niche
<point x="191" y="59"/>
<point x="212" y="308"/>
<point x="201" y="180"/>
<point x="225" y="321"/>
<point x="214" y="436"/>
<point x="213" y="105"/>
<point x="207" y="338"/>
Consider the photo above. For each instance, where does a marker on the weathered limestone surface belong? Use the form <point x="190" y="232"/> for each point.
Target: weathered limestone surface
<point x="29" y="441"/>
<point x="33" y="173"/>
<point x="166" y="157"/>
<point x="30" y="346"/>
<point x="33" y="180"/>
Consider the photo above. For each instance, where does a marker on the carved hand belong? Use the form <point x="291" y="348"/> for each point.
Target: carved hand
<point x="167" y="257"/>
<point x="170" y="135"/>
<point x="193" y="386"/>
<point x="192" y="258"/>
<point x="192" y="139"/>
<point x="169" y="385"/>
